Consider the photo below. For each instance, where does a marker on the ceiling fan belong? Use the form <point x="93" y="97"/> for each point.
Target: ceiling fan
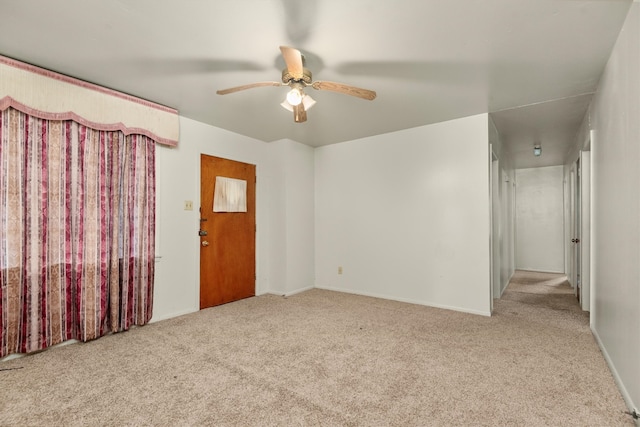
<point x="297" y="78"/>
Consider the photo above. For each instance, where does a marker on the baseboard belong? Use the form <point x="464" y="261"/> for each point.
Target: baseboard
<point x="19" y="355"/>
<point x="503" y="289"/>
<point x="623" y="390"/>
<point x="534" y="270"/>
<point x="12" y="356"/>
<point x="288" y="294"/>
<point x="406" y="300"/>
<point x="172" y="315"/>
<point x="507" y="284"/>
<point x="73" y="341"/>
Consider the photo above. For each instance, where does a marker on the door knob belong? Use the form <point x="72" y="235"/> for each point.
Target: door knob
<point x="205" y="243"/>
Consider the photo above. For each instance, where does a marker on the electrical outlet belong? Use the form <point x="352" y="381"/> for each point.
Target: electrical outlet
<point x="188" y="205"/>
<point x="340" y="270"/>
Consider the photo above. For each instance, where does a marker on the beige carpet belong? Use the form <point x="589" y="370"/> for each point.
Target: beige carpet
<point x="547" y="290"/>
<point x="323" y="358"/>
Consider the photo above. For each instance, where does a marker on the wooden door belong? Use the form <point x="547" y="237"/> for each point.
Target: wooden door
<point x="227" y="239"/>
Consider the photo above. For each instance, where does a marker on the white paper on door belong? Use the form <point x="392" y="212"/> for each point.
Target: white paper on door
<point x="230" y="195"/>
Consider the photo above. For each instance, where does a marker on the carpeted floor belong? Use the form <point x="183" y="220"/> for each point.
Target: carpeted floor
<point x="324" y="358"/>
<point x="548" y="290"/>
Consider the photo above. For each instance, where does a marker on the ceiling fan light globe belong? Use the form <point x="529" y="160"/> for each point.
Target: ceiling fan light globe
<point x="294" y="97"/>
<point x="307" y="101"/>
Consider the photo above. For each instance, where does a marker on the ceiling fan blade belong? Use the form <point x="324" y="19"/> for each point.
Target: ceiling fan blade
<point x="293" y="59"/>
<point x="299" y="113"/>
<point x="249" y="86"/>
<point x="346" y="89"/>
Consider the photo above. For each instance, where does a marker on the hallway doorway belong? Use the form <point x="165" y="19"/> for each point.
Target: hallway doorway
<point x="545" y="290"/>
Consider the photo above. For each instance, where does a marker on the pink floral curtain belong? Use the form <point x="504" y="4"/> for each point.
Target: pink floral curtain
<point x="77" y="224"/>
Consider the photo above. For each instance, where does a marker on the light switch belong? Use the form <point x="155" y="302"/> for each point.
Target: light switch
<point x="188" y="205"/>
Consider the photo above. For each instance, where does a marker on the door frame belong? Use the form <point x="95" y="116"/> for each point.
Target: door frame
<point x="494" y="226"/>
<point x="574" y="227"/>
<point x="585" y="230"/>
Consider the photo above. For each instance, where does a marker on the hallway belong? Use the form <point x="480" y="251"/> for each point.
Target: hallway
<point x="548" y="290"/>
<point x="556" y="329"/>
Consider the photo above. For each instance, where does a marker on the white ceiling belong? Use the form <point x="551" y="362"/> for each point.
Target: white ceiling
<point x="535" y="63"/>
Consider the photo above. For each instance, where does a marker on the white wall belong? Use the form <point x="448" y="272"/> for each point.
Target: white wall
<point x="540" y="219"/>
<point x="277" y="196"/>
<point x="504" y="209"/>
<point x="615" y="156"/>
<point x="292" y="203"/>
<point x="406" y="215"/>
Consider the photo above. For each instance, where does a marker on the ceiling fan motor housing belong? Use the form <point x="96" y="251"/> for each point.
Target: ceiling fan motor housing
<point x="287" y="77"/>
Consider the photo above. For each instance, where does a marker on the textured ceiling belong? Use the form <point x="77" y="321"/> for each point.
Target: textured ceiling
<point x="533" y="62"/>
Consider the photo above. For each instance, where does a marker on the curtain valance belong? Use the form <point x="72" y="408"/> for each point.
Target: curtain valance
<point x="52" y="96"/>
